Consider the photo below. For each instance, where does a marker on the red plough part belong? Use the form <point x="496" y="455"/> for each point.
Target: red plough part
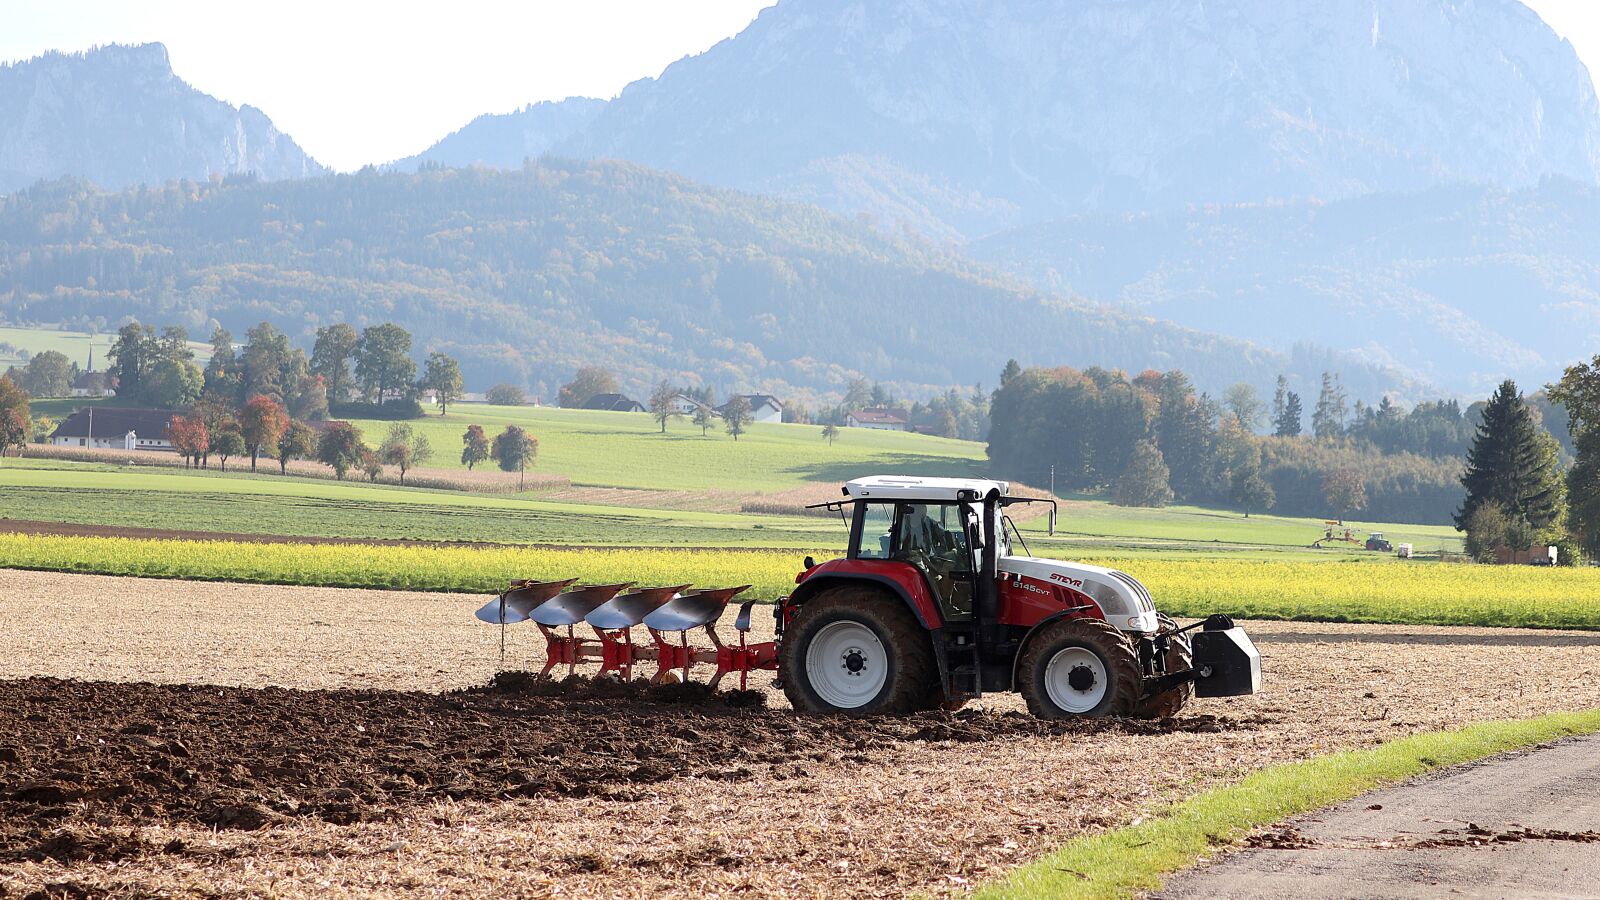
<point x="668" y="613"/>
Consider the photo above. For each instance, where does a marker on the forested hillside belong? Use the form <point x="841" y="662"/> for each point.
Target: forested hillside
<point x="525" y="275"/>
<point x="1462" y="287"/>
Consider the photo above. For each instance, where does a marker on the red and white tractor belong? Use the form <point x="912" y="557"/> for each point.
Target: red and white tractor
<point x="928" y="609"/>
<point x="931" y="607"/>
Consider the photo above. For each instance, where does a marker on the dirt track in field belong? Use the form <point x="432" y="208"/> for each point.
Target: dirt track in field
<point x="120" y="788"/>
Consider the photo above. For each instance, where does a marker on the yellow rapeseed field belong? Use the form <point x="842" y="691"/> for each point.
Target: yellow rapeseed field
<point x="1367" y="591"/>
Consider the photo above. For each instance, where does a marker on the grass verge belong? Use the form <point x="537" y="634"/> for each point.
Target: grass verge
<point x="1125" y="861"/>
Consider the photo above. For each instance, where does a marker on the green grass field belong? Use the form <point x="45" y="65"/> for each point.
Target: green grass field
<point x="90" y="493"/>
<point x="628" y="450"/>
<point x="238" y="502"/>
<point x="77" y="346"/>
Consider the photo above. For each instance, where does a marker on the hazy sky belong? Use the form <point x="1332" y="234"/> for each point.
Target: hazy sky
<point x="362" y="82"/>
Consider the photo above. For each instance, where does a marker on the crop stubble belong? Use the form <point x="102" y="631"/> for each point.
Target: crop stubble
<point x="601" y="795"/>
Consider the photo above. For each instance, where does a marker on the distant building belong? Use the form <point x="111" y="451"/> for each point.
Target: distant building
<point x="763" y="407"/>
<point x="115" y="429"/>
<point x="93" y="384"/>
<point x="877" y="419"/>
<point x="613" y="403"/>
<point x="685" y="405"/>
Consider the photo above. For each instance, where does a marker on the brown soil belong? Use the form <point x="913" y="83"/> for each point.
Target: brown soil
<point x="591" y="792"/>
<point x="84" y="764"/>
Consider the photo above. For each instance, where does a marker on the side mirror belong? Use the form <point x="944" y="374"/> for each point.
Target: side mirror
<point x="810" y="563"/>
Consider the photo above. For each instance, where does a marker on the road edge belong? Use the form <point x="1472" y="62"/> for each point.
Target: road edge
<point x="1125" y="861"/>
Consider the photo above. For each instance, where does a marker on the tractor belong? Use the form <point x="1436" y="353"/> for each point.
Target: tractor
<point x="1376" y="541"/>
<point x="928" y="609"/>
<point x="931" y="607"/>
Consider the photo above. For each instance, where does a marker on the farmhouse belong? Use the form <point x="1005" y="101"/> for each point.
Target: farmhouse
<point x="613" y="403"/>
<point x="115" y="429"/>
<point x="877" y="419"/>
<point x="685" y="405"/>
<point x="763" y="407"/>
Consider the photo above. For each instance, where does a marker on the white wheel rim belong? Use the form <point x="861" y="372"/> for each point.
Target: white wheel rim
<point x="846" y="665"/>
<point x="1058" y="678"/>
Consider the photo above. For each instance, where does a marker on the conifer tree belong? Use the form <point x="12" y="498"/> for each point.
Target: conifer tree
<point x="1287" y="423"/>
<point x="1509" y="465"/>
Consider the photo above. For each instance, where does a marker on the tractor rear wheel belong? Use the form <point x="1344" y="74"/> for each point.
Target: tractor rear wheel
<point x="1079" y="667"/>
<point x="858" y="650"/>
<point x="1180" y="657"/>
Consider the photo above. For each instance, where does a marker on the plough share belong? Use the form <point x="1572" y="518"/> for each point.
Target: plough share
<point x="613" y="611"/>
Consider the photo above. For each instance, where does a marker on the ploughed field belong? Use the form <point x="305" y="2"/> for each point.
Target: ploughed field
<point x="162" y="737"/>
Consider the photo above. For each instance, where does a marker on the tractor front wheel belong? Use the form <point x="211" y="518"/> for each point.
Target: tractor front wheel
<point x="1079" y="667"/>
<point x="1179" y="658"/>
<point x="857" y="650"/>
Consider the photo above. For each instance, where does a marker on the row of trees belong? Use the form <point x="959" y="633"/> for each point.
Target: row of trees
<point x="48" y="373"/>
<point x="1151" y="438"/>
<point x="373" y="366"/>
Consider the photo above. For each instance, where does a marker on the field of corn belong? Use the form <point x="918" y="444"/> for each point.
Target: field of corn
<point x="1379" y="590"/>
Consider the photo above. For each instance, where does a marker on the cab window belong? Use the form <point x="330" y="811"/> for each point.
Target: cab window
<point x="877" y="522"/>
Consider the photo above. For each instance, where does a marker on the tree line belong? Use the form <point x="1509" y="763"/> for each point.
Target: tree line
<point x="1152" y="438"/>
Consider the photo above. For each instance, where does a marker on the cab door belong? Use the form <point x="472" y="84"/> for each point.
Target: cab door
<point x="933" y="537"/>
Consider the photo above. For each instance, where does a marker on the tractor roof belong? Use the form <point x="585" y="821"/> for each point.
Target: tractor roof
<point x="911" y="487"/>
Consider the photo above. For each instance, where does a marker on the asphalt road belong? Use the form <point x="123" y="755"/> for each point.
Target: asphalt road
<point x="1522" y="825"/>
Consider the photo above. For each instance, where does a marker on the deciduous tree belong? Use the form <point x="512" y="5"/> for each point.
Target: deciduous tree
<point x="298" y="441"/>
<point x="830" y="433"/>
<point x="15" y="416"/>
<point x="705" y="417"/>
<point x="48" y="374"/>
<point x="1145" y="481"/>
<point x="442" y="375"/>
<point x="340" y="447"/>
<point x="262" y="422"/>
<point x="1344" y="491"/>
<point x="331" y="356"/>
<point x="589" y="381"/>
<point x="507" y="395"/>
<point x="663" y="405"/>
<point x="474" y="446"/>
<point x="514" y="449"/>
<point x="383" y="362"/>
<point x="736" y="415"/>
<point x="405" y="448"/>
<point x="190" y="438"/>
<point x="226" y="443"/>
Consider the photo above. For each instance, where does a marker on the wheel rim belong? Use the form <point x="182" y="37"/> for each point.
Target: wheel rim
<point x="846" y="665"/>
<point x="1075" y="680"/>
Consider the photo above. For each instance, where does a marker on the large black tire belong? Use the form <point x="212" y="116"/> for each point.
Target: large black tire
<point x="1180" y="657"/>
<point x="1117" y="685"/>
<point x="910" y="674"/>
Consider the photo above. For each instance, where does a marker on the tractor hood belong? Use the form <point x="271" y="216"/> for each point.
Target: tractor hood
<point x="1124" y="601"/>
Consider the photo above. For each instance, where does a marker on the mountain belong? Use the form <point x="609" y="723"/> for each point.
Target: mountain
<point x="965" y="116"/>
<point x="526" y="274"/>
<point x="505" y="140"/>
<point x="118" y="116"/>
<point x="1461" y="287"/>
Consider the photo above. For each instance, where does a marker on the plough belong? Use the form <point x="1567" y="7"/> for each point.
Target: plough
<point x="613" y="611"/>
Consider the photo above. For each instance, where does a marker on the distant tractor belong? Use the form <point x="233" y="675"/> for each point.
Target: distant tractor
<point x="1376" y="541"/>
